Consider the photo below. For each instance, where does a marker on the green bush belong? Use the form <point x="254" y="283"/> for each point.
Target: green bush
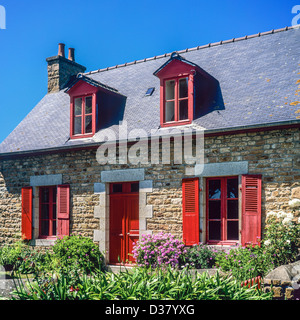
<point x="32" y="260"/>
<point x="141" y="284"/>
<point x="77" y="252"/>
<point x="200" y="256"/>
<point x="245" y="262"/>
<point x="10" y="255"/>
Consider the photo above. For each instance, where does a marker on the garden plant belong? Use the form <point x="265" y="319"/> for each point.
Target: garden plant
<point x="74" y="268"/>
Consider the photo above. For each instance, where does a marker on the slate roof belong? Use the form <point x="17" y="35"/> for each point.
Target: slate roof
<point x="259" y="78"/>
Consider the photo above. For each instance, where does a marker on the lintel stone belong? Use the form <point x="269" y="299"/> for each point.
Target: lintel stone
<point x="123" y="175"/>
<point x="222" y="169"/>
<point x="46" y="180"/>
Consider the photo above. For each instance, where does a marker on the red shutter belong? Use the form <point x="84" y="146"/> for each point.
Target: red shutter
<point x="251" y="209"/>
<point x="63" y="210"/>
<point x="190" y="211"/>
<point x="26" y="228"/>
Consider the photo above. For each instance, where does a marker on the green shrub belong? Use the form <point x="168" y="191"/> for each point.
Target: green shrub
<point x="77" y="252"/>
<point x="23" y="258"/>
<point x="245" y="262"/>
<point x="10" y="255"/>
<point x="200" y="256"/>
<point x="32" y="260"/>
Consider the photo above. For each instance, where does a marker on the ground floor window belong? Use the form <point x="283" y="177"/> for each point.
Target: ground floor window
<point x="222" y="210"/>
<point x="48" y="196"/>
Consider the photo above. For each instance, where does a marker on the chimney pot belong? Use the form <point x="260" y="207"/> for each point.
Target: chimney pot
<point x="61" y="49"/>
<point x="71" y="54"/>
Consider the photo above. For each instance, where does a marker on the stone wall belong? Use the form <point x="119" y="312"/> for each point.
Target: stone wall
<point x="282" y="290"/>
<point x="284" y="282"/>
<point x="274" y="154"/>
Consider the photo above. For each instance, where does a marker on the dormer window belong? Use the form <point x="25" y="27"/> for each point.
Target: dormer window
<point x="86" y="95"/>
<point x="83" y="115"/>
<point x="176" y="100"/>
<point x="176" y="91"/>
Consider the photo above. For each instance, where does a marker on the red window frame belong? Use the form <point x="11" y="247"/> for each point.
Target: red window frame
<point x="83" y="115"/>
<point x="177" y="100"/>
<point x="52" y="215"/>
<point x="223" y="214"/>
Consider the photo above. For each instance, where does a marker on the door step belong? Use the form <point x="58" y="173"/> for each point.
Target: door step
<point x="118" y="268"/>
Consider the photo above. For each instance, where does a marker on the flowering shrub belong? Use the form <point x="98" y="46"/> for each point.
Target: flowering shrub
<point x="159" y="250"/>
<point x="282" y="235"/>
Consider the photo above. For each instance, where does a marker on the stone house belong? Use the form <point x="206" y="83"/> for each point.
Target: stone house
<point x="201" y="143"/>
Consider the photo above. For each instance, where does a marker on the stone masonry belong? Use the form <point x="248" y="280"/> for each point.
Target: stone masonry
<point x="275" y="154"/>
<point x="60" y="69"/>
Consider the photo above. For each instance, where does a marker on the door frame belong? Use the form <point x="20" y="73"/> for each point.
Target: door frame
<point x="129" y="191"/>
<point x="102" y="212"/>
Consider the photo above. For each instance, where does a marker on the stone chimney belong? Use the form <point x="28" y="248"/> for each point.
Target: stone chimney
<point x="61" y="69"/>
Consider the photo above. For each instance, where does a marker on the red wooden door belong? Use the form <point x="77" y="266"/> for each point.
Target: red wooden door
<point x="124" y="221"/>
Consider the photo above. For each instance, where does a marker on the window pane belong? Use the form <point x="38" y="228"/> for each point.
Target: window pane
<point x="183" y="109"/>
<point x="214" y="230"/>
<point x="232" y="188"/>
<point x="232" y="209"/>
<point x="169" y="112"/>
<point x="117" y="187"/>
<point x="170" y="90"/>
<point x="135" y="187"/>
<point x="232" y="230"/>
<point x="45" y="227"/>
<point x="88" y="105"/>
<point x="78" y="109"/>
<point x="54" y="195"/>
<point x="183" y="87"/>
<point x="45" y="211"/>
<point x="45" y="195"/>
<point x="214" y="189"/>
<point x="214" y="210"/>
<point x="77" y="125"/>
<point x="88" y="124"/>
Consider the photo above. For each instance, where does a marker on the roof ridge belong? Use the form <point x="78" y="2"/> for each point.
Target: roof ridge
<point x="196" y="48"/>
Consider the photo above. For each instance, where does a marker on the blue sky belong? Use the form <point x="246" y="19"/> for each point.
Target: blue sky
<point x="109" y="32"/>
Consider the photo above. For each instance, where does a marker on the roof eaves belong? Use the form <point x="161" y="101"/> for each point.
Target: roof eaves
<point x="221" y="131"/>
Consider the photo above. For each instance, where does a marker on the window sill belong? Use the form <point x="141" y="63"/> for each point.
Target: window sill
<point x="82" y="136"/>
<point x="223" y="243"/>
<point x="175" y="123"/>
<point x="43" y="242"/>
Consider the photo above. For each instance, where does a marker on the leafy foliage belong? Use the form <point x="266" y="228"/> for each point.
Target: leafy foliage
<point x="245" y="262"/>
<point x="200" y="256"/>
<point x="77" y="252"/>
<point x="282" y="237"/>
<point x="141" y="284"/>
